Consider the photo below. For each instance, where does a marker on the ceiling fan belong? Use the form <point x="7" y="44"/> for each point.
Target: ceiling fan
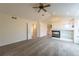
<point x="42" y="6"/>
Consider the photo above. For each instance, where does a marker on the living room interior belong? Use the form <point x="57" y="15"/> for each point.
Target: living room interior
<point x="39" y="29"/>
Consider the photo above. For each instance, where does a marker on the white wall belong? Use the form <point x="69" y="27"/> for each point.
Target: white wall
<point x="29" y="30"/>
<point x="11" y="30"/>
<point x="43" y="29"/>
<point x="61" y="23"/>
<point x="38" y="29"/>
<point x="0" y="30"/>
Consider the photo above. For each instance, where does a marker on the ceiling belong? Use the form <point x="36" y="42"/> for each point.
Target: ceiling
<point x="25" y="10"/>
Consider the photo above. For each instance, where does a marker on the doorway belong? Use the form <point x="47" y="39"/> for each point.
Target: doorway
<point x="34" y="31"/>
<point x="49" y="30"/>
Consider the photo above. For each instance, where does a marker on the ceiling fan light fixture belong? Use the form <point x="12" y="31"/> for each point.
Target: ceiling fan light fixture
<point x="13" y="17"/>
<point x="42" y="6"/>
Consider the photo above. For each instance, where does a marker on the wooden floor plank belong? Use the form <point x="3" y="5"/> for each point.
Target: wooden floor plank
<point x="40" y="47"/>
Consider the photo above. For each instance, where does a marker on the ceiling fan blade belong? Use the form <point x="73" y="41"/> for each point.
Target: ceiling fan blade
<point x="45" y="10"/>
<point x="35" y="7"/>
<point x="47" y="5"/>
<point x="41" y="4"/>
<point x="39" y="10"/>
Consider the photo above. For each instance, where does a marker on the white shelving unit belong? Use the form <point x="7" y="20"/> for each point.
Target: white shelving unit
<point x="66" y="35"/>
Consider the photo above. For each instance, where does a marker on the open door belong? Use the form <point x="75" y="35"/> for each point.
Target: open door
<point x="34" y="31"/>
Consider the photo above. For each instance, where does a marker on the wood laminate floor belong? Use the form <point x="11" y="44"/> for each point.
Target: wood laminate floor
<point x="41" y="47"/>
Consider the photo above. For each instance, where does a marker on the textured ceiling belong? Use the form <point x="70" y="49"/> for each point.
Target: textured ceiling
<point x="26" y="10"/>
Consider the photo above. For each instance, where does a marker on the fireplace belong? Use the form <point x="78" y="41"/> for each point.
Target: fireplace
<point x="56" y="33"/>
